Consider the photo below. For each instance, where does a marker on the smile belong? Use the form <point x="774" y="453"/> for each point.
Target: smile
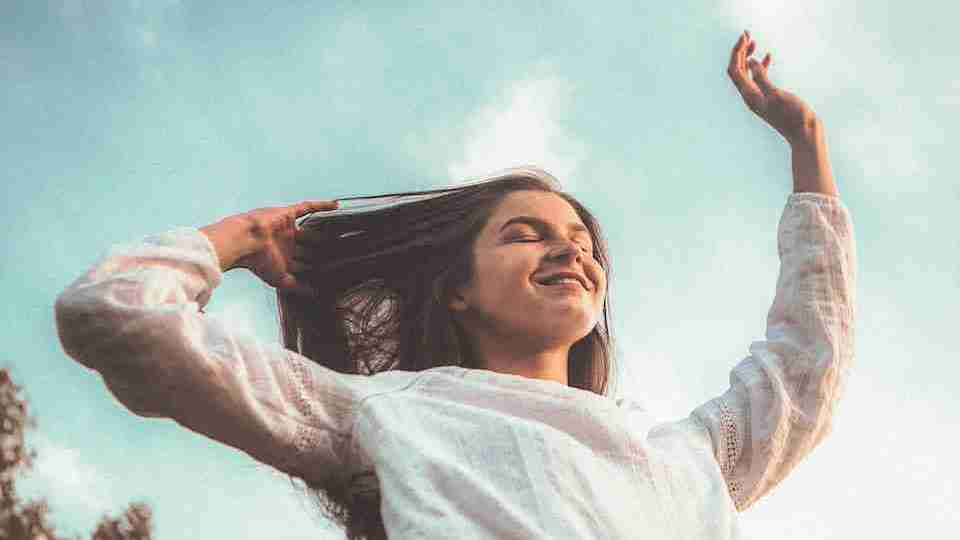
<point x="568" y="284"/>
<point x="563" y="278"/>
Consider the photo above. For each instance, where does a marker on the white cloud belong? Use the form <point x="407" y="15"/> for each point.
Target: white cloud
<point x="829" y="54"/>
<point x="70" y="485"/>
<point x="798" y="36"/>
<point x="524" y="128"/>
<point x="522" y="124"/>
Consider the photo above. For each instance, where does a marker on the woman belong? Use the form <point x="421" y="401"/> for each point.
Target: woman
<point x="446" y="354"/>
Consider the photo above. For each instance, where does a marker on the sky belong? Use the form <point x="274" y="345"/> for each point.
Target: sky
<point x="127" y="118"/>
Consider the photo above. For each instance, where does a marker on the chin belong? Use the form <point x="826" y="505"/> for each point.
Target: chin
<point x="567" y="334"/>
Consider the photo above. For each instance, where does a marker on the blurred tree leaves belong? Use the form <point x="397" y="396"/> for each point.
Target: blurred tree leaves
<point x="29" y="520"/>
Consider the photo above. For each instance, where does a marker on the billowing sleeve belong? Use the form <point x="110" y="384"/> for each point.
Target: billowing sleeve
<point x="783" y="396"/>
<point x="136" y="318"/>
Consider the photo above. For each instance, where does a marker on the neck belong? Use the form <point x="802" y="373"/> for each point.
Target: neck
<point x="550" y="364"/>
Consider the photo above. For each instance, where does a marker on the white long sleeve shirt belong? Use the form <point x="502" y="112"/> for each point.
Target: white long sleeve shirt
<point x="474" y="454"/>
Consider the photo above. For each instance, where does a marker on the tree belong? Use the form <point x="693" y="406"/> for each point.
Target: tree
<point x="135" y="524"/>
<point x="29" y="520"/>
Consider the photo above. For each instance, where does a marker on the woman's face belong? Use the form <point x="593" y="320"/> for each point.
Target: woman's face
<point x="531" y="237"/>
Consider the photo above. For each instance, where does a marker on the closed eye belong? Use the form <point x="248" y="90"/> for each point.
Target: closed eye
<point x="585" y="249"/>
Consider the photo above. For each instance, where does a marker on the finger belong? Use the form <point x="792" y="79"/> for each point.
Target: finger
<point x="290" y="284"/>
<point x="749" y="91"/>
<point x="746" y="48"/>
<point x="315" y="206"/>
<point x="738" y="70"/>
<point x="735" y="54"/>
<point x="760" y="76"/>
<point x="752" y="95"/>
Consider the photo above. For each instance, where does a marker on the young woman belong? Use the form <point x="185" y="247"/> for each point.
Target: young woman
<point x="446" y="360"/>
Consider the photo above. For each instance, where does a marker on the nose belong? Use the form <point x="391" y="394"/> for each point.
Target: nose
<point x="566" y="249"/>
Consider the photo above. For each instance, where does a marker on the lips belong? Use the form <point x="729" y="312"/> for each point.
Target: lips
<point x="573" y="275"/>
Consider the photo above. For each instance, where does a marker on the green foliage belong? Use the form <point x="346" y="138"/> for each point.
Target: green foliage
<point x="29" y="520"/>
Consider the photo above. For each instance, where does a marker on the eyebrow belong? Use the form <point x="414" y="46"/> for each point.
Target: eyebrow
<point x="540" y="224"/>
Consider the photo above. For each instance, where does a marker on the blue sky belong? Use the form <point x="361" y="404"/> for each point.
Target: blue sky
<point x="127" y="118"/>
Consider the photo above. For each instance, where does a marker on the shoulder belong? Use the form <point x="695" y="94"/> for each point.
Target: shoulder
<point x="384" y="382"/>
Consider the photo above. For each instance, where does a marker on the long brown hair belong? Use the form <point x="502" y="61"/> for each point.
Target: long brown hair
<point x="383" y="274"/>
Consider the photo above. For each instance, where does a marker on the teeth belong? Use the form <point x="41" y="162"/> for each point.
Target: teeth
<point x="562" y="280"/>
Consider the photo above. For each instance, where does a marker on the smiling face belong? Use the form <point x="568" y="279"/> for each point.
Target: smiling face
<point x="530" y="237"/>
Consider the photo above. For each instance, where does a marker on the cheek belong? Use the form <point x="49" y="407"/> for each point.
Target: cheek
<point x="601" y="288"/>
<point x="498" y="277"/>
<point x="596" y="272"/>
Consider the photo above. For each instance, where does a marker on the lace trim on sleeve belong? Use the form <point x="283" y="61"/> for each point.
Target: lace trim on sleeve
<point x="733" y="445"/>
<point x="308" y="440"/>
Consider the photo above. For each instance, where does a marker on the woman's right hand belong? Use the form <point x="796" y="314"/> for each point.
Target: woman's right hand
<point x="784" y="111"/>
<point x="263" y="241"/>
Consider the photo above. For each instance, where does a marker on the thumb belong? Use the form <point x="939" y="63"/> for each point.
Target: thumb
<point x="289" y="284"/>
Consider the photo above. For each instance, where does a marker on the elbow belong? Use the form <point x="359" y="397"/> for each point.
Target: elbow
<point x="67" y="319"/>
<point x="73" y="316"/>
<point x="85" y="336"/>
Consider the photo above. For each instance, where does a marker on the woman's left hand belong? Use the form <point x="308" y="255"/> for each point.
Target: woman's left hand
<point x="784" y="111"/>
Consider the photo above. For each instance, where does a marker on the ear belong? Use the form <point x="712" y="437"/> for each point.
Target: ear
<point x="457" y="301"/>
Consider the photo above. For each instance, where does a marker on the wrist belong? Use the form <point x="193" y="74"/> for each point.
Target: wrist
<point x="811" y="164"/>
<point x="810" y="135"/>
<point x="232" y="239"/>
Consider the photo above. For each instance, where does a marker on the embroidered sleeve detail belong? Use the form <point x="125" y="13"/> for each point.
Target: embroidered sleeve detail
<point x="781" y="399"/>
<point x="732" y="448"/>
<point x="309" y="440"/>
<point x="135" y="318"/>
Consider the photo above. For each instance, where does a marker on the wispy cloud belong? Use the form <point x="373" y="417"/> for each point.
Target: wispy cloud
<point x="523" y="128"/>
<point x="71" y="485"/>
<point x="796" y="33"/>
<point x="832" y="55"/>
<point x="520" y="125"/>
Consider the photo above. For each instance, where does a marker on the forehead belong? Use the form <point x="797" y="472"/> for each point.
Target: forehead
<point x="547" y="206"/>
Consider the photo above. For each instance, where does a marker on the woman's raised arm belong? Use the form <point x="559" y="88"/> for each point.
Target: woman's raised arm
<point x="782" y="398"/>
<point x="135" y="318"/>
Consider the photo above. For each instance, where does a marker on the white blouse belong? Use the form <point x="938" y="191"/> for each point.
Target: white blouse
<point x="464" y="453"/>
